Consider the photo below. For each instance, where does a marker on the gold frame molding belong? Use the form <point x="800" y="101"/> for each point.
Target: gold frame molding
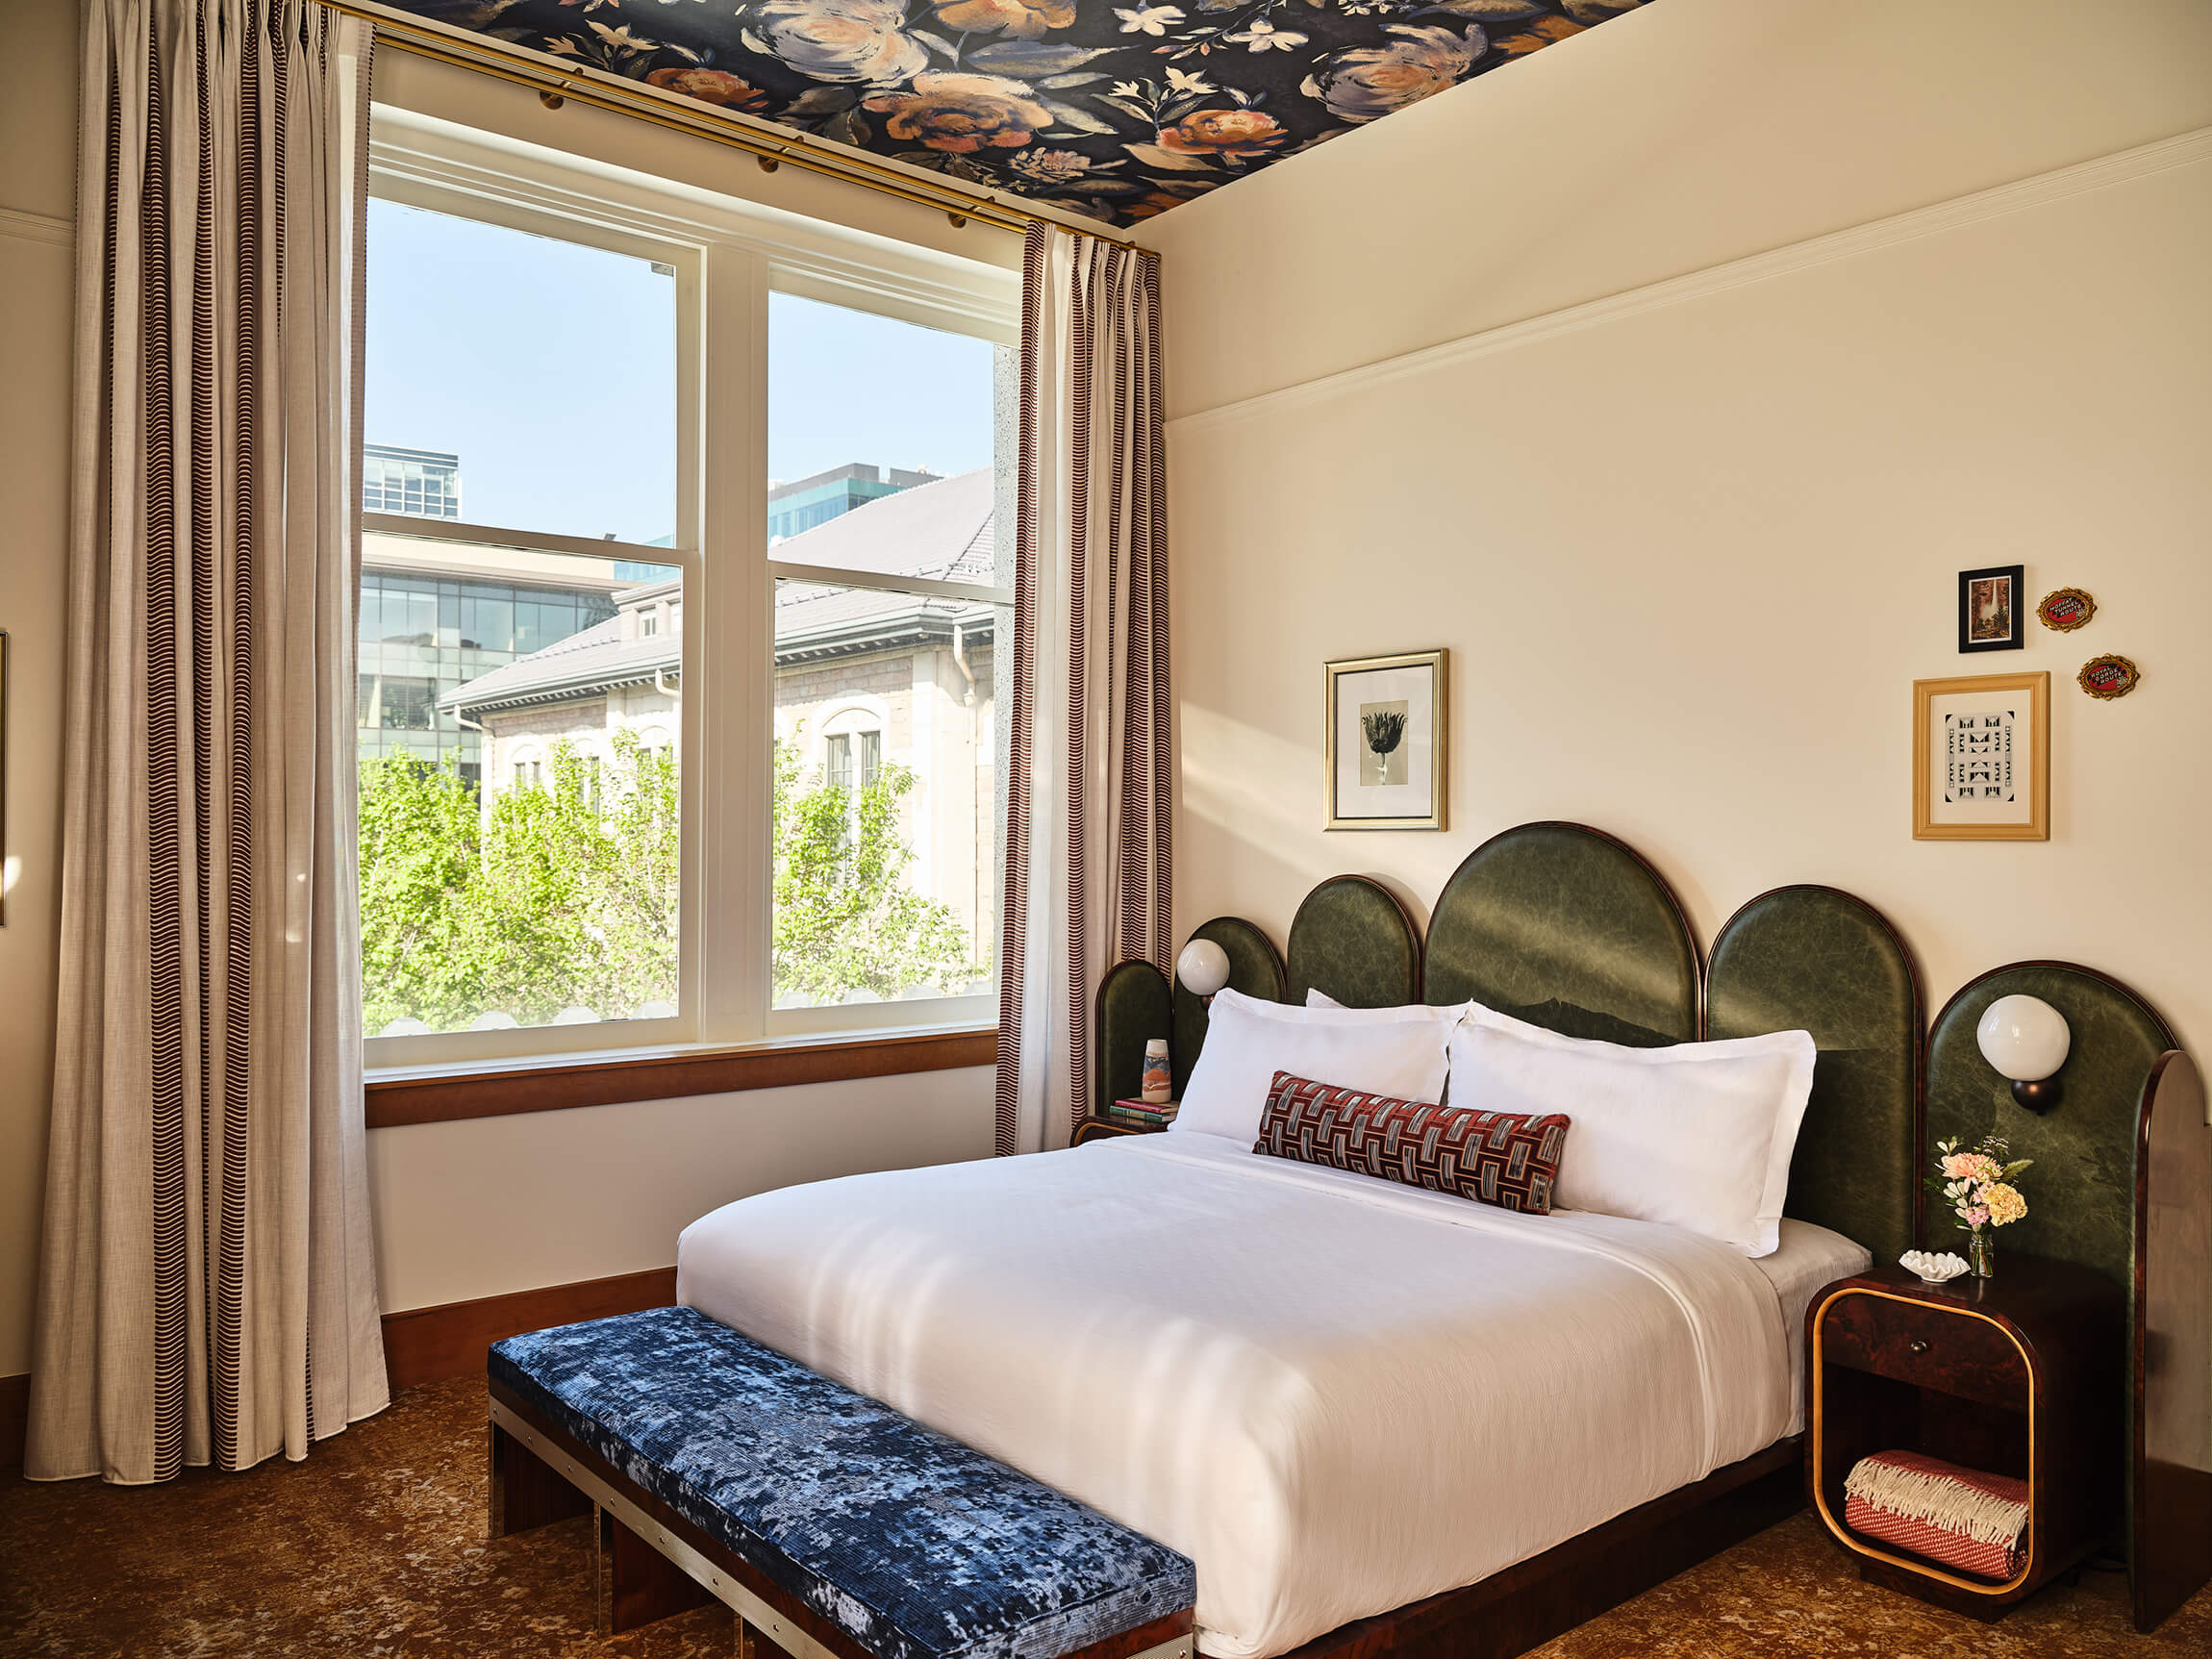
<point x="2037" y="685"/>
<point x="1439" y="742"/>
<point x="1851" y="1539"/>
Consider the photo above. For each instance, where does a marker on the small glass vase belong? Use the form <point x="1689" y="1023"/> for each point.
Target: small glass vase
<point x="1981" y="1254"/>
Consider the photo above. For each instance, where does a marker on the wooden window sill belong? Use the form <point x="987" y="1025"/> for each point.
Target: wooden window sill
<point x="417" y="1094"/>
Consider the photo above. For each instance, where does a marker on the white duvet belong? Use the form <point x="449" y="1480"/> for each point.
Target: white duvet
<point x="1334" y="1394"/>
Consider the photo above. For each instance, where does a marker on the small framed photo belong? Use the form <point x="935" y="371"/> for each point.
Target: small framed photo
<point x="1989" y="609"/>
<point x="1981" y="758"/>
<point x="1385" y="741"/>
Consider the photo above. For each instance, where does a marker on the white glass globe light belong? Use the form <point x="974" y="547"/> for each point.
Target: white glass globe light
<point x="2024" y="1038"/>
<point x="1203" y="968"/>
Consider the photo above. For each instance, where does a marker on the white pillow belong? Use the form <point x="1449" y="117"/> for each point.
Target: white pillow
<point x="1698" y="1135"/>
<point x="1248" y="1041"/>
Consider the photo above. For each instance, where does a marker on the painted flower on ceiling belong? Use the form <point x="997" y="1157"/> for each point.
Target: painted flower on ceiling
<point x="1118" y="110"/>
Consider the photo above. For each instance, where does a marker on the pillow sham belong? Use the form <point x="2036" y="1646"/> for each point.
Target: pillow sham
<point x="1499" y="1158"/>
<point x="1248" y="1041"/>
<point x="1698" y="1135"/>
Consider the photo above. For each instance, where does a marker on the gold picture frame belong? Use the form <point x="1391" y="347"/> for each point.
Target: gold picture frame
<point x="1391" y="739"/>
<point x="1967" y="782"/>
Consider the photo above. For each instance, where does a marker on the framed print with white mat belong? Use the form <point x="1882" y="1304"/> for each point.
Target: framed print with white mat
<point x="1385" y="741"/>
<point x="1981" y="758"/>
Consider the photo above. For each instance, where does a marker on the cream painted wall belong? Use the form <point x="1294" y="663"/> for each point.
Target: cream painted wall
<point x="1690" y="557"/>
<point x="498" y="1204"/>
<point x="37" y="193"/>
<point x="1668" y="141"/>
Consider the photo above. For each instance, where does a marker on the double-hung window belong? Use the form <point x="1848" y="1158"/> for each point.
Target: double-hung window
<point x="680" y="601"/>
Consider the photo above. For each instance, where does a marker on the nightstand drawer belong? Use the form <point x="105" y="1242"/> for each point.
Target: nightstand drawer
<point x="1958" y="1354"/>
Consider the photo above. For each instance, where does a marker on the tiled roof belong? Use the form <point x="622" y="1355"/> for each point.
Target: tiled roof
<point x="941" y="532"/>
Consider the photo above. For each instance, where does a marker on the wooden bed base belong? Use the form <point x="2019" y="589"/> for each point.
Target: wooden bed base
<point x="654" y="1563"/>
<point x="1532" y="1601"/>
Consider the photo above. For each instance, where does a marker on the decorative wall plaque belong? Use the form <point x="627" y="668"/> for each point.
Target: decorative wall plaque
<point x="2109" y="677"/>
<point x="2066" y="610"/>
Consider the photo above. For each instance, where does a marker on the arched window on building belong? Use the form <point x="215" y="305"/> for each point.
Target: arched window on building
<point x="852" y="748"/>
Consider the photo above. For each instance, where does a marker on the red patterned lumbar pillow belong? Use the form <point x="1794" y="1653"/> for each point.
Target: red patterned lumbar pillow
<point x="1500" y="1158"/>
<point x="1962" y="1518"/>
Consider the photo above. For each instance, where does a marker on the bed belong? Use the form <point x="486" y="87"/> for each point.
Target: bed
<point x="1383" y="1419"/>
<point x="1336" y="1395"/>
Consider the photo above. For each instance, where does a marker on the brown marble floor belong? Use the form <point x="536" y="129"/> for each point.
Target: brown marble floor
<point x="374" y="1547"/>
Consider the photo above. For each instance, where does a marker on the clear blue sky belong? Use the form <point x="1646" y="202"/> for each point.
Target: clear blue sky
<point x="551" y="369"/>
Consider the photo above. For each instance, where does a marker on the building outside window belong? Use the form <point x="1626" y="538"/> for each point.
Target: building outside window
<point x="425" y="483"/>
<point x="805" y="503"/>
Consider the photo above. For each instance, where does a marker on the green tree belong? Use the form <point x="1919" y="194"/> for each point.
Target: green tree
<point x="563" y="893"/>
<point x="845" y="919"/>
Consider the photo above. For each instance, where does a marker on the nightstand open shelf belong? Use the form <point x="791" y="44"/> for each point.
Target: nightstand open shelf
<point x="2016" y="1375"/>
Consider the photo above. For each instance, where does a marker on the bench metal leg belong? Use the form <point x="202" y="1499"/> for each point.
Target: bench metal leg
<point x="525" y="1491"/>
<point x="636" y="1584"/>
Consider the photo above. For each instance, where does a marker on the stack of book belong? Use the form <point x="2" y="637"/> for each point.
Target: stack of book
<point x="1151" y="1114"/>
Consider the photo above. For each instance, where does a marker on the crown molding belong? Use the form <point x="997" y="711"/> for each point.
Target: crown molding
<point x="38" y="227"/>
<point x="2105" y="171"/>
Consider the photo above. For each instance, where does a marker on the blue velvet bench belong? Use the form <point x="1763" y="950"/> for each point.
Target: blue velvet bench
<point x="721" y="1470"/>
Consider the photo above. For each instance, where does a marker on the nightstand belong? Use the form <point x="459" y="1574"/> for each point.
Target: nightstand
<point x="2018" y="1376"/>
<point x="1106" y="1128"/>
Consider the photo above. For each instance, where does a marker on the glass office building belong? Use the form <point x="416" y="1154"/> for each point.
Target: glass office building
<point x="806" y="502"/>
<point x="435" y="613"/>
<point x="425" y="483"/>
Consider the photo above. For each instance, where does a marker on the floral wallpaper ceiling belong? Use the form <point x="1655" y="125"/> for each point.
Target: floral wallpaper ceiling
<point x="1116" y="112"/>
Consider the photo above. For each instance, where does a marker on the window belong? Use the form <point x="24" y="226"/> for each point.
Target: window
<point x="565" y="544"/>
<point x="887" y="609"/>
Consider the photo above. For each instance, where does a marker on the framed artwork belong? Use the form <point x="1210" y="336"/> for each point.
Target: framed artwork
<point x="1981" y="758"/>
<point x="1385" y="741"/>
<point x="1989" y="609"/>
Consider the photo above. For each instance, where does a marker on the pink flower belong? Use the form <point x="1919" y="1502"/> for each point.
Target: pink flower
<point x="1978" y="1216"/>
<point x="1972" y="1167"/>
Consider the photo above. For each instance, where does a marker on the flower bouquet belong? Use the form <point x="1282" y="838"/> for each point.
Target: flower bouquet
<point x="1979" y="1187"/>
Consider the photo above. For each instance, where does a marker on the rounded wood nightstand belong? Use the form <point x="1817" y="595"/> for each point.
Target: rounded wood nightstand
<point x="2018" y="1376"/>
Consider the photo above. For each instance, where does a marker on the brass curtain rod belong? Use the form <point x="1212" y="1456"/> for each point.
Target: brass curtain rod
<point x="771" y="146"/>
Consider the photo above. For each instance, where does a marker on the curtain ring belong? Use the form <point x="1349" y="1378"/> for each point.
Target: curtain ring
<point x="553" y="100"/>
<point x="769" y="164"/>
<point x="959" y="220"/>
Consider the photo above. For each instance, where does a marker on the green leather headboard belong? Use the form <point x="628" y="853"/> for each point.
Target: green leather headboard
<point x="1134" y="1007"/>
<point x="1565" y="928"/>
<point x="1353" y="941"/>
<point x="2081" y="1192"/>
<point x="1254" y="969"/>
<point x="1815" y="959"/>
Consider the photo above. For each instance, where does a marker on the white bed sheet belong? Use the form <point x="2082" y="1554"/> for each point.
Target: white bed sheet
<point x="1807" y="1258"/>
<point x="1335" y="1393"/>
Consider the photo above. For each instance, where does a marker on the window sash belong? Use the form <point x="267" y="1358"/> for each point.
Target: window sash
<point x="728" y="256"/>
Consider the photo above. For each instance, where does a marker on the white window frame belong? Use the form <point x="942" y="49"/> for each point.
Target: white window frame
<point x="728" y="256"/>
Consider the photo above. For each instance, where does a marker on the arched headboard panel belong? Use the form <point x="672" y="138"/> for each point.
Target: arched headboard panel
<point x="1353" y="941"/>
<point x="1564" y="926"/>
<point x="1816" y="958"/>
<point x="2081" y="1192"/>
<point x="1255" y="968"/>
<point x="1134" y="1006"/>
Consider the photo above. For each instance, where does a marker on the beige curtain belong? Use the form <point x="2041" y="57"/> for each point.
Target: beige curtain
<point x="1090" y="768"/>
<point x="207" y="1292"/>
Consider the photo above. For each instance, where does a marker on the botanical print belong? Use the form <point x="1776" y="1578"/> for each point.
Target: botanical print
<point x="1117" y="112"/>
<point x="1383" y="751"/>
